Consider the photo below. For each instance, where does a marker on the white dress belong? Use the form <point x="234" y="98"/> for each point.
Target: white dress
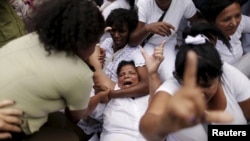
<point x="149" y="12"/>
<point x="236" y="89"/>
<point x="121" y="117"/>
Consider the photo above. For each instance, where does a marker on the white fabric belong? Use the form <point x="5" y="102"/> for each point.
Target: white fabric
<point x="198" y="39"/>
<point x="121" y="118"/>
<point x="113" y="59"/>
<point x="243" y="65"/>
<point x="104" y="5"/>
<point x="114" y="5"/>
<point x="149" y="12"/>
<point x="246" y="37"/>
<point x="94" y="138"/>
<point x="237" y="50"/>
<point x="236" y="89"/>
<point x="136" y="2"/>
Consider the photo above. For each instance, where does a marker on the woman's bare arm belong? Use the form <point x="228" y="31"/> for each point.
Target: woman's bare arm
<point x="186" y="108"/>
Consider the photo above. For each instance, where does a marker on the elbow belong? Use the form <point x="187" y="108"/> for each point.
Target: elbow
<point x="151" y="127"/>
<point x="143" y="128"/>
<point x="146" y="128"/>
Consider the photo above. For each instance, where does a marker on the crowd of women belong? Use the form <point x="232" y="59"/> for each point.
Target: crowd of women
<point x="145" y="70"/>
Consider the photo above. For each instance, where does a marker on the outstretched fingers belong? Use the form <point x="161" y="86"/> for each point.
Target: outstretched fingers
<point x="9" y="111"/>
<point x="5" y="103"/>
<point x="195" y="93"/>
<point x="5" y="135"/>
<point x="162" y="44"/>
<point x="189" y="78"/>
<point x="218" y="117"/>
<point x="191" y="90"/>
<point x="158" y="52"/>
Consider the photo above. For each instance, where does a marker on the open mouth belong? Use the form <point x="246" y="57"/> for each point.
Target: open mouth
<point x="127" y="83"/>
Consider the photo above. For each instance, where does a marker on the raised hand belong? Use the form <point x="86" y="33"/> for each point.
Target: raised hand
<point x="9" y="119"/>
<point x="188" y="106"/>
<point x="153" y="61"/>
<point x="161" y="28"/>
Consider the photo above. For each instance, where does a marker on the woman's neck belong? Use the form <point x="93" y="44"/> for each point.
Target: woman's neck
<point x="115" y="49"/>
<point x="163" y="6"/>
<point x="218" y="102"/>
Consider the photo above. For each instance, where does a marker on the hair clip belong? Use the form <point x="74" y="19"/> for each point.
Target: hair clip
<point x="198" y="39"/>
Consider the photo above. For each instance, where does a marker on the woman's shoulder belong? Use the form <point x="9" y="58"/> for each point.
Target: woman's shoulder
<point x="229" y="69"/>
<point x="107" y="43"/>
<point x="231" y="74"/>
<point x="244" y="25"/>
<point x="170" y="86"/>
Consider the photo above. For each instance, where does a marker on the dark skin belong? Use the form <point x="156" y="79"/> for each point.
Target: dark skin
<point x="163" y="4"/>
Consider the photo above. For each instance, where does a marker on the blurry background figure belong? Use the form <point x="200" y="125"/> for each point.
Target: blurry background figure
<point x="246" y="37"/>
<point x="11" y="25"/>
<point x="99" y="2"/>
<point x="20" y="6"/>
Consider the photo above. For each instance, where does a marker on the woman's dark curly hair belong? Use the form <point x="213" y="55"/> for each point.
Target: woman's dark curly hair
<point x="68" y="25"/>
<point x="124" y="63"/>
<point x="121" y="17"/>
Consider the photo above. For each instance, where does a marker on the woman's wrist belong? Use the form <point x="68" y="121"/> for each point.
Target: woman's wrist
<point x="110" y="95"/>
<point x="153" y="74"/>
